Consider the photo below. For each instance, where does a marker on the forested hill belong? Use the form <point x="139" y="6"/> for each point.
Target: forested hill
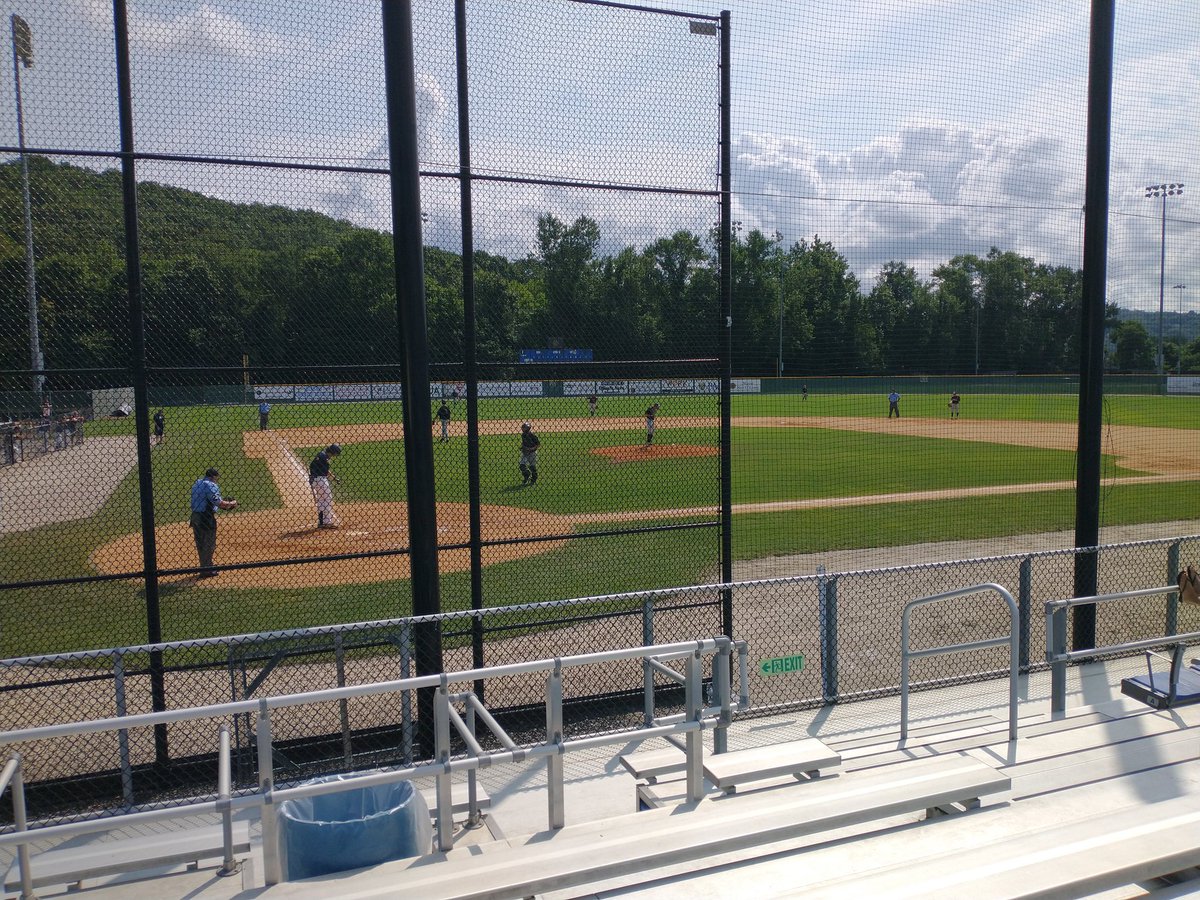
<point x="294" y="287"/>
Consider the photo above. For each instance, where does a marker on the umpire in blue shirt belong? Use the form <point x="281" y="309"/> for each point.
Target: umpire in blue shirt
<point x="206" y="500"/>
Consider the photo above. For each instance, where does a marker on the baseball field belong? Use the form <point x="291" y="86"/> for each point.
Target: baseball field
<point x="828" y="473"/>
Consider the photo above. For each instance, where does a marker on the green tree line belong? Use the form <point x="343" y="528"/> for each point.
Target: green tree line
<point x="297" y="288"/>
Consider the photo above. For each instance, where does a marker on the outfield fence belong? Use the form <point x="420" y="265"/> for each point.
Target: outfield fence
<point x="833" y="637"/>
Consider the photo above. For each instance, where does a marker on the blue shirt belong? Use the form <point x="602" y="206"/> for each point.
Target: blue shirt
<point x="205" y="496"/>
<point x="264" y="407"/>
<point x="893" y="397"/>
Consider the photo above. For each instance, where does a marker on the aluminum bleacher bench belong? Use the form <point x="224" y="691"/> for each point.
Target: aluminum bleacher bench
<point x="72" y="865"/>
<point x="1100" y="853"/>
<point x="801" y="759"/>
<point x="642" y="842"/>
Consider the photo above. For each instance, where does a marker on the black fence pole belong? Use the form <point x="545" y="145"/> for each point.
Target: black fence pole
<point x="726" y="334"/>
<point x="400" y="82"/>
<point x="137" y="352"/>
<point x="1091" y="343"/>
<point x="474" y="498"/>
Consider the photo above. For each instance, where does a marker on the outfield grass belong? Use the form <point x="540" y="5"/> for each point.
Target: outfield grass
<point x="769" y="464"/>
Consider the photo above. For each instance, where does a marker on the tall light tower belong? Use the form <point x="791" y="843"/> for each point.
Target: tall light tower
<point x="1162" y="190"/>
<point x="22" y="44"/>
<point x="1179" y="362"/>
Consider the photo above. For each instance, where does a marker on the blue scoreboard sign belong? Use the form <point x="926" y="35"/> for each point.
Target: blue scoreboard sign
<point x="565" y="355"/>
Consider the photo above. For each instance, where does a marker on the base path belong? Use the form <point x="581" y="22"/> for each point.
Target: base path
<point x="64" y="485"/>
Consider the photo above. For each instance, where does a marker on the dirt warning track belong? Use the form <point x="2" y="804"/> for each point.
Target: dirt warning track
<point x="288" y="532"/>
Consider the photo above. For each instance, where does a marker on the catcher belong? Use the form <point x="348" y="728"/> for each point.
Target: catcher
<point x="319" y="478"/>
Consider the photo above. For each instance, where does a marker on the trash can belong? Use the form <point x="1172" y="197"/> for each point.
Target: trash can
<point x="353" y="828"/>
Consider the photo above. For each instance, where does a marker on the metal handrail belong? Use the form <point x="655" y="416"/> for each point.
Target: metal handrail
<point x="698" y="718"/>
<point x="11" y="775"/>
<point x="1058" y="656"/>
<point x="1012" y="639"/>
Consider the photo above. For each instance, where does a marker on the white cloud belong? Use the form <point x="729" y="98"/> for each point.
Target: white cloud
<point x="206" y="31"/>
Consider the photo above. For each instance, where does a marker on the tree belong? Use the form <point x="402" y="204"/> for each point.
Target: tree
<point x="1132" y="348"/>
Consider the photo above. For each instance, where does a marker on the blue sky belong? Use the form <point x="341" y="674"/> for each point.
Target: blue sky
<point x="897" y="129"/>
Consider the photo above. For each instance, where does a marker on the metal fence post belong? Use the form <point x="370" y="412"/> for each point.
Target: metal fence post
<point x="441" y="737"/>
<point x="272" y="864"/>
<point x="554" y="737"/>
<point x="827" y="617"/>
<point x="722" y="682"/>
<point x="339" y="655"/>
<point x="406" y="726"/>
<point x="1025" y="609"/>
<point x="21" y="824"/>
<point x="693" y="700"/>
<point x="123" y="734"/>
<point x="1173" y="578"/>
<point x="647" y="672"/>
<point x="1058" y="670"/>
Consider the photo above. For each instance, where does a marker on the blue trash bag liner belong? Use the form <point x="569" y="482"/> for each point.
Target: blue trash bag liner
<point x="351" y="829"/>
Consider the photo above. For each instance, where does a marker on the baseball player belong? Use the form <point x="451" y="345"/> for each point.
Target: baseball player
<point x="592" y="401"/>
<point x="206" y="500"/>
<point x="894" y="404"/>
<point x="443" y="415"/>
<point x="529" y="449"/>
<point x="264" y="415"/>
<point x="953" y="404"/>
<point x="651" y="415"/>
<point x="319" y="478"/>
<point x="160" y="426"/>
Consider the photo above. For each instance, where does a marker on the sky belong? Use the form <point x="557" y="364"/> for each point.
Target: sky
<point x="910" y="130"/>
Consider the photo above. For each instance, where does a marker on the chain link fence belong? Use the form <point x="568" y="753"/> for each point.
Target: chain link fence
<point x="835" y="636"/>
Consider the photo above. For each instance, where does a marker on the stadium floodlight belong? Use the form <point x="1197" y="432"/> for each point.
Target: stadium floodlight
<point x="1170" y="189"/>
<point x="1179" y="362"/>
<point x="22" y="44"/>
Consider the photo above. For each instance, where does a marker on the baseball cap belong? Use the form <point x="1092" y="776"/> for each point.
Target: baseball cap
<point x="526" y="425"/>
<point x="334" y="449"/>
<point x="212" y="473"/>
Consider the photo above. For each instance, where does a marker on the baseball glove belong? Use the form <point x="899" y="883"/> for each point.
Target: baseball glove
<point x="1189" y="586"/>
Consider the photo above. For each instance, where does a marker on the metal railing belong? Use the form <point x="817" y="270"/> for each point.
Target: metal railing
<point x="11" y="776"/>
<point x="1059" y="657"/>
<point x="697" y="717"/>
<point x="1012" y="639"/>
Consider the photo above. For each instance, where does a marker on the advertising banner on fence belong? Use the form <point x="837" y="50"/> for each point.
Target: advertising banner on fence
<point x="612" y="387"/>
<point x="525" y="389"/>
<point x="645" y="388"/>
<point x="493" y="388"/>
<point x="351" y="392"/>
<point x="385" y="391"/>
<point x="678" y="386"/>
<point x="1183" y="384"/>
<point x="708" y="386"/>
<point x="314" y="393"/>
<point x="746" y="385"/>
<point x="274" y="392"/>
<point x="579" y="388"/>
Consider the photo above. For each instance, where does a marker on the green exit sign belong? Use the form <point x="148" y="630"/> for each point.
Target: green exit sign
<point x="781" y="665"/>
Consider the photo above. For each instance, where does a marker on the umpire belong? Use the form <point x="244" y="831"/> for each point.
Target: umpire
<point x="206" y="500"/>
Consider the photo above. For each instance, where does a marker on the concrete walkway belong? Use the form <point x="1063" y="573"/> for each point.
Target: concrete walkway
<point x="65" y="485"/>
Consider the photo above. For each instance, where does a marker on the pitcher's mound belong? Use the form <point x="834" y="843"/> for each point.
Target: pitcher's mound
<point x="641" y="452"/>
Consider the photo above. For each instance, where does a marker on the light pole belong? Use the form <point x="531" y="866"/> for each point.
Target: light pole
<point x="1162" y="190"/>
<point x="779" y="241"/>
<point x="1179" y="362"/>
<point x="22" y="44"/>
